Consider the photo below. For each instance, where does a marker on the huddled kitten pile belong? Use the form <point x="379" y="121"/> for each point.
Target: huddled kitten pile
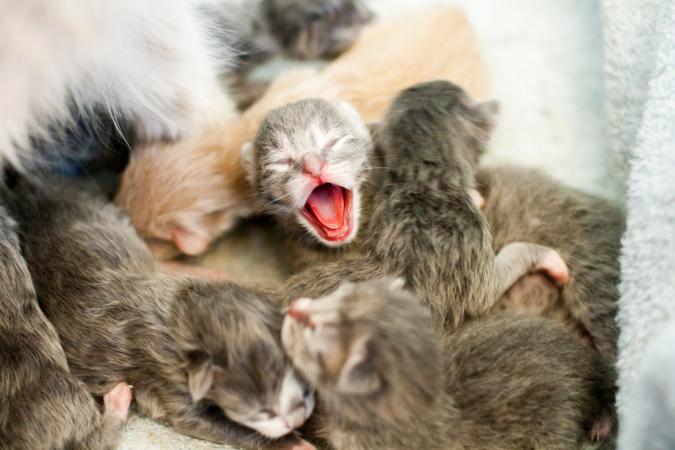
<point x="406" y="323"/>
<point x="427" y="216"/>
<point x="433" y="304"/>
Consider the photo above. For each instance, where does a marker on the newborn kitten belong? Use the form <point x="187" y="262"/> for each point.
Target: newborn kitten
<point x="524" y="204"/>
<point x="308" y="165"/>
<point x="203" y="356"/>
<point x="42" y="405"/>
<point x="384" y="381"/>
<point x="180" y="196"/>
<point x="425" y="225"/>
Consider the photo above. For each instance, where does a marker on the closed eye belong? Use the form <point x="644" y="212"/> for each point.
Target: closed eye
<point x="284" y="162"/>
<point x="331" y="143"/>
<point x="268" y="413"/>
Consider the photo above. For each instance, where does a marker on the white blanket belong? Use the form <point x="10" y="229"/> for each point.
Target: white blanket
<point x="639" y="40"/>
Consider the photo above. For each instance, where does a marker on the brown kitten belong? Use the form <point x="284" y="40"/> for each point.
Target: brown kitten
<point x="425" y="226"/>
<point x="202" y="356"/>
<point x="183" y="195"/>
<point x="42" y="405"/>
<point x="525" y="204"/>
<point x="384" y="381"/>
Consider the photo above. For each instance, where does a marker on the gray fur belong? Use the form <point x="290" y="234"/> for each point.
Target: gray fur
<point x="120" y="320"/>
<point x="424" y="224"/>
<point x="384" y="381"/>
<point x="525" y="204"/>
<point x="42" y="405"/>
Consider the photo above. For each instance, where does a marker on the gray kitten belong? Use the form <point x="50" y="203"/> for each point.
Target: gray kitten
<point x="385" y="381"/>
<point x="203" y="356"/>
<point x="525" y="204"/>
<point x="42" y="405"/>
<point x="425" y="224"/>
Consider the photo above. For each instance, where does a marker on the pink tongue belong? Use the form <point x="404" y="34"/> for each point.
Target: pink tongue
<point x="327" y="204"/>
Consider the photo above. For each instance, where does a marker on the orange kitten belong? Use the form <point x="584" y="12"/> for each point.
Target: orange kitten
<point x="181" y="196"/>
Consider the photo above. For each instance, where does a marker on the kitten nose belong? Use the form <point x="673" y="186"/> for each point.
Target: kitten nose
<point x="312" y="165"/>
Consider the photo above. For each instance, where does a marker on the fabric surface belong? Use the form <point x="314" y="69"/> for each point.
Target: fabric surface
<point x="640" y="89"/>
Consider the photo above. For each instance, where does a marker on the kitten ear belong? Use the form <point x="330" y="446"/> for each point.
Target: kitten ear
<point x="353" y="117"/>
<point x="201" y="374"/>
<point x="489" y="111"/>
<point x="190" y="238"/>
<point x="359" y="375"/>
<point x="248" y="161"/>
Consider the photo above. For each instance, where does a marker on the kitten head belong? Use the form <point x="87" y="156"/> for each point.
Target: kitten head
<point x="180" y="196"/>
<point x="367" y="347"/>
<point x="437" y="122"/>
<point x="307" y="165"/>
<point x="234" y="359"/>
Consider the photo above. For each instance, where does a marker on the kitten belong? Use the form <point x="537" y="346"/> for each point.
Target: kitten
<point x="384" y="380"/>
<point x="525" y="204"/>
<point x="181" y="196"/>
<point x="42" y="405"/>
<point x="308" y="165"/>
<point x="202" y="356"/>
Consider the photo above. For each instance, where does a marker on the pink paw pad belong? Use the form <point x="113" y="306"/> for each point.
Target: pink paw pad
<point x="602" y="429"/>
<point x="553" y="264"/>
<point x="118" y="400"/>
<point x="478" y="199"/>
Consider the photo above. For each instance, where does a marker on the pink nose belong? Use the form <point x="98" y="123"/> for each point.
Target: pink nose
<point x="312" y="165"/>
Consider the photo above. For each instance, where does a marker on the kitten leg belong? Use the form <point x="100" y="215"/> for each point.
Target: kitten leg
<point x="117" y="401"/>
<point x="518" y="258"/>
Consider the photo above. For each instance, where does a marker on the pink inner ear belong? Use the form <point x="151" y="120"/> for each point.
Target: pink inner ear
<point x="188" y="242"/>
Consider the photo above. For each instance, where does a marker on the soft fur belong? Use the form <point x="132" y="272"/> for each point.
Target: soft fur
<point x="156" y="69"/>
<point x="424" y="224"/>
<point x="184" y="195"/>
<point x="203" y="356"/>
<point x="303" y="146"/>
<point x="42" y="405"/>
<point x="525" y="204"/>
<point x="384" y="381"/>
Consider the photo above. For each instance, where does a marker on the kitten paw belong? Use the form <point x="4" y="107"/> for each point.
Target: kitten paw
<point x="477" y="198"/>
<point x="553" y="264"/>
<point x="117" y="401"/>
<point x="316" y="28"/>
<point x="602" y="428"/>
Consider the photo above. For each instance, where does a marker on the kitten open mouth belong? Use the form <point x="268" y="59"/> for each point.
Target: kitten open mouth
<point x="328" y="210"/>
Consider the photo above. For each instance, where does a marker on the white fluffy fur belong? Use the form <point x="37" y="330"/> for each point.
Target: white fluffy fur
<point x="147" y="59"/>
